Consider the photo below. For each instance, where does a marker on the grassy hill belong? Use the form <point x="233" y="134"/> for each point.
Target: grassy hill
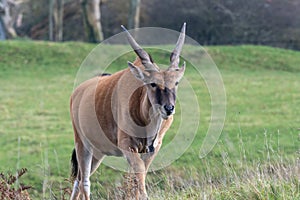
<point x="256" y="156"/>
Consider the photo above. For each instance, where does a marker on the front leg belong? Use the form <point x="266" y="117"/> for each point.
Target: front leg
<point x="148" y="157"/>
<point x="137" y="166"/>
<point x="155" y="147"/>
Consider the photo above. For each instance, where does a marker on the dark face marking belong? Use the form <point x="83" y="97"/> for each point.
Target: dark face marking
<point x="161" y="90"/>
<point x="158" y="95"/>
<point x="165" y="96"/>
<point x="170" y="93"/>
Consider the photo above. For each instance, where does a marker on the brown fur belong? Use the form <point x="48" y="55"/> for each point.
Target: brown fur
<point x="124" y="114"/>
<point x="98" y="93"/>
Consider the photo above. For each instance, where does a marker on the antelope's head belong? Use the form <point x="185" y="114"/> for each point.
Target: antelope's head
<point x="161" y="84"/>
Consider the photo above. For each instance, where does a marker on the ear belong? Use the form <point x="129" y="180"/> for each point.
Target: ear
<point x="136" y="71"/>
<point x="181" y="70"/>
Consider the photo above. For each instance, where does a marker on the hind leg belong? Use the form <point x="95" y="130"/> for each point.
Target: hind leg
<point x="82" y="182"/>
<point x="96" y="162"/>
<point x="76" y="191"/>
<point x="84" y="163"/>
<point x="77" y="188"/>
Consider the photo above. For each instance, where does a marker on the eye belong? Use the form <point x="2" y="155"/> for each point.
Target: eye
<point x="153" y="84"/>
<point x="176" y="83"/>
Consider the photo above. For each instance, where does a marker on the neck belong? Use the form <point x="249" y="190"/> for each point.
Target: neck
<point x="144" y="115"/>
<point x="147" y="110"/>
<point x="151" y="117"/>
<point x="142" y="110"/>
<point x="145" y="107"/>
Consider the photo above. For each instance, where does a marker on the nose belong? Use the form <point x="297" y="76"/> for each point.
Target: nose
<point x="169" y="109"/>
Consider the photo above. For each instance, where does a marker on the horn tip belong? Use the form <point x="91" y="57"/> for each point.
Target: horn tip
<point x="123" y="27"/>
<point x="183" y="27"/>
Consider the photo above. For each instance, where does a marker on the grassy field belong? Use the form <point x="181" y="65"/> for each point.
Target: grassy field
<point x="257" y="155"/>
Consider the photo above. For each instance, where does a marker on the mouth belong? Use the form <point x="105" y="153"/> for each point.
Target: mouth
<point x="165" y="115"/>
<point x="158" y="110"/>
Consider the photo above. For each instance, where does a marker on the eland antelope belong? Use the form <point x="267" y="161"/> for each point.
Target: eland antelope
<point x="124" y="114"/>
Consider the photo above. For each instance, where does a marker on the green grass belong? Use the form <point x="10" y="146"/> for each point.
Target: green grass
<point x="261" y="129"/>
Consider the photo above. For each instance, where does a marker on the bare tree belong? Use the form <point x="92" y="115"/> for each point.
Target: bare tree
<point x="51" y="23"/>
<point x="92" y="19"/>
<point x="10" y="13"/>
<point x="134" y="14"/>
<point x="56" y="8"/>
<point x="2" y="29"/>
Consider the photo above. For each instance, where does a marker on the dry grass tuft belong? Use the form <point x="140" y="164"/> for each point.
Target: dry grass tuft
<point x="128" y="188"/>
<point x="10" y="189"/>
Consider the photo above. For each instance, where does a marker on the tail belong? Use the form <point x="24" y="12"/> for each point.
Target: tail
<point x="74" y="165"/>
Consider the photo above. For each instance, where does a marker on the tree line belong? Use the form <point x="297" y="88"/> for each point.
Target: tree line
<point x="210" y="22"/>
